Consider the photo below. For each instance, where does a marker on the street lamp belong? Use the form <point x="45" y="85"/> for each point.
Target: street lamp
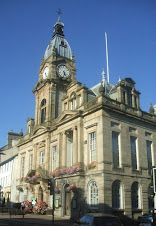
<point x="0" y="194"/>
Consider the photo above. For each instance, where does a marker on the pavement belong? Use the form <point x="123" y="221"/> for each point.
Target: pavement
<point x="33" y="219"/>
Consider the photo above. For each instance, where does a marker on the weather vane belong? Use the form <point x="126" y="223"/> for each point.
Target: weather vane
<point x="59" y="13"/>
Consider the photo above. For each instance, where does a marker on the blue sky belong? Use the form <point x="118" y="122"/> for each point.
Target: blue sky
<point x="26" y="29"/>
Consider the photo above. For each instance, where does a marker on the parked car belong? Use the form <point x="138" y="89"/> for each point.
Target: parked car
<point x="98" y="219"/>
<point x="146" y="219"/>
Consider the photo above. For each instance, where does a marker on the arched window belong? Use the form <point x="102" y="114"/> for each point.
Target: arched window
<point x="136" y="196"/>
<point x="93" y="194"/>
<point x="43" y="110"/>
<point x="117" y="195"/>
<point x="150" y="197"/>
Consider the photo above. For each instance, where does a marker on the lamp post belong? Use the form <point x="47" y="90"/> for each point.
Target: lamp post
<point x="0" y="194"/>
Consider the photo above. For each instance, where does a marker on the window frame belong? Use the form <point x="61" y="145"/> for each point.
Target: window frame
<point x="93" y="194"/>
<point x="136" y="195"/>
<point x="30" y="161"/>
<point x="117" y="198"/>
<point x="92" y="146"/>
<point x="134" y="152"/>
<point x="116" y="152"/>
<point x="42" y="156"/>
<point x="43" y="111"/>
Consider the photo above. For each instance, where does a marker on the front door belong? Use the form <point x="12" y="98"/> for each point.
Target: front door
<point x="68" y="204"/>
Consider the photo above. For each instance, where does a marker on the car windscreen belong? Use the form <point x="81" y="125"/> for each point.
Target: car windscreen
<point x="107" y="221"/>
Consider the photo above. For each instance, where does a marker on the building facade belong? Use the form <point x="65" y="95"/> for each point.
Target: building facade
<point x="97" y="143"/>
<point x="7" y="167"/>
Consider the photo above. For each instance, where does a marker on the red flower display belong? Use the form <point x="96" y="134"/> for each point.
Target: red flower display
<point x="40" y="207"/>
<point x="28" y="206"/>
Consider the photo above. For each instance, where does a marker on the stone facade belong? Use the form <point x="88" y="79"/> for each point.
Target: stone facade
<point x="7" y="166"/>
<point x="94" y="142"/>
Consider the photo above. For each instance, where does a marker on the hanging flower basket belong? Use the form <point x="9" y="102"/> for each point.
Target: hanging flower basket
<point x="56" y="190"/>
<point x="66" y="171"/>
<point x="34" y="179"/>
<point x="71" y="187"/>
<point x="92" y="165"/>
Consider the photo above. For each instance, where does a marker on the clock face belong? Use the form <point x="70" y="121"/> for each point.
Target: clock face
<point x="63" y="71"/>
<point x="45" y="72"/>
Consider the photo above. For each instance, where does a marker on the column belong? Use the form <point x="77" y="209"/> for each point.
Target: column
<point x="35" y="156"/>
<point x="49" y="104"/>
<point x="59" y="148"/>
<point x="75" y="138"/>
<point x="37" y="111"/>
<point x="79" y="144"/>
<point x="64" y="147"/>
<point x="47" y="154"/>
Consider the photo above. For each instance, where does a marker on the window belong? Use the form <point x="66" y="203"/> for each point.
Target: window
<point x="117" y="195"/>
<point x="54" y="153"/>
<point x="115" y="149"/>
<point x="92" y="146"/>
<point x="135" y="101"/>
<point x="22" y="166"/>
<point x="133" y="152"/>
<point x="72" y="105"/>
<point x="135" y="195"/>
<point x="149" y="155"/>
<point x="80" y="100"/>
<point x="31" y="162"/>
<point x="65" y="106"/>
<point x="43" y="110"/>
<point x="41" y="157"/>
<point x="93" y="194"/>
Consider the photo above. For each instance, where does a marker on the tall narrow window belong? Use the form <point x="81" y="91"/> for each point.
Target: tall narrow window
<point x="43" y="110"/>
<point x="72" y="105"/>
<point x="92" y="146"/>
<point x="135" y="195"/>
<point x="149" y="155"/>
<point x="22" y="166"/>
<point x="93" y="194"/>
<point x="117" y="195"/>
<point x="54" y="154"/>
<point x="133" y="152"/>
<point x="41" y="157"/>
<point x="115" y="149"/>
<point x="31" y="161"/>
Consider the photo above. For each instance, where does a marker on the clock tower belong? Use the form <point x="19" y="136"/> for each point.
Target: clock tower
<point x="57" y="71"/>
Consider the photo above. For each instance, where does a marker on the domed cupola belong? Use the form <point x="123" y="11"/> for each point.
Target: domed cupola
<point x="58" y="42"/>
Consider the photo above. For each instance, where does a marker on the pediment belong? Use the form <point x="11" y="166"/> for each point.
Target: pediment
<point x="39" y="130"/>
<point x="67" y="115"/>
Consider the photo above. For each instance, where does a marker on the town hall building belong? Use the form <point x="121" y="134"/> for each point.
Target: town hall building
<point x="96" y="142"/>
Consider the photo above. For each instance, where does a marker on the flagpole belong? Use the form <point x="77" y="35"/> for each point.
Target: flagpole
<point x="107" y="57"/>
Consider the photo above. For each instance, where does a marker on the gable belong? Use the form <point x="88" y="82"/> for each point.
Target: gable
<point x="39" y="130"/>
<point x="67" y="115"/>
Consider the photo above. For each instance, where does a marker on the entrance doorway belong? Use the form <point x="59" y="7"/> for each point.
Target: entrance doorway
<point x="67" y="199"/>
<point x="40" y="194"/>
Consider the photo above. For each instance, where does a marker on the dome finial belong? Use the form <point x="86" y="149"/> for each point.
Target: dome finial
<point x="103" y="77"/>
<point x="59" y="13"/>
